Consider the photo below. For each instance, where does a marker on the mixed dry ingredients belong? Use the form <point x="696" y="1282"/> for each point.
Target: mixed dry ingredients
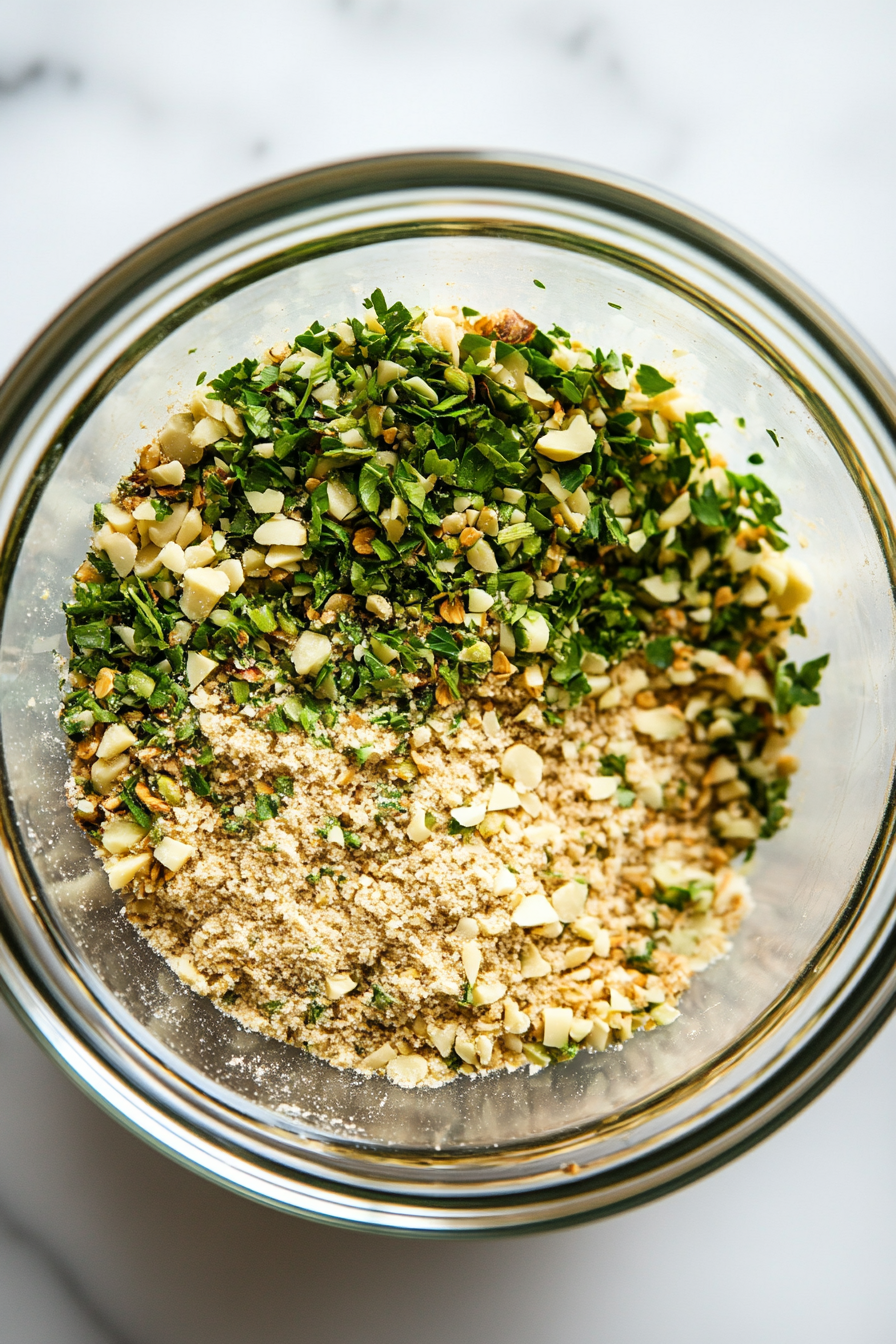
<point x="427" y="674"/>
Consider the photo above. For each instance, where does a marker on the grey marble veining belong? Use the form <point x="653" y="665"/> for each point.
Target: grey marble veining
<point x="114" y="120"/>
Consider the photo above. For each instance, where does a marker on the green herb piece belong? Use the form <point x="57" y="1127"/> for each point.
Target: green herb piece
<point x="641" y="957"/>
<point x="379" y="998"/>
<point x="266" y="806"/>
<point x="651" y="381"/>
<point x="141" y="814"/>
<point x="240" y="691"/>
<point x="659" y="652"/>
<point x="707" y="507"/>
<point x="196" y="781"/>
<point x="141" y="684"/>
<point x="798" y="687"/>
<point x="613" y="765"/>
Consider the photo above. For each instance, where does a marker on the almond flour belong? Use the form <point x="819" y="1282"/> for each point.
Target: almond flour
<point x="372" y="953"/>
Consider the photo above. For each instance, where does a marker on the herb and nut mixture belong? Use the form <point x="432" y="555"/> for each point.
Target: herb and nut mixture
<point x="427" y="674"/>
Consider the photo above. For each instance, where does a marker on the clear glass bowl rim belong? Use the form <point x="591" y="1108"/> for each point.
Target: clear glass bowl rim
<point x="39" y="998"/>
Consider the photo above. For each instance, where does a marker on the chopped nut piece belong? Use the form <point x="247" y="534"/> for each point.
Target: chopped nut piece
<point x="452" y="611"/>
<point x="105" y="682"/>
<point x="507" y="325"/>
<point x="361" y="540"/>
<point x="149" y="800"/>
<point x="444" y="694"/>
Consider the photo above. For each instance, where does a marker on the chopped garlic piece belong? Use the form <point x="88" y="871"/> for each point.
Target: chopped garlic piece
<point x="502" y="797"/>
<point x="103" y="774"/>
<point x="190" y="528"/>
<point x="234" y="572"/>
<point x="117" y="738"/>
<point x="173" y="854"/>
<point x="310" y="653"/>
<point x="564" y="445"/>
<point x="120" y="550"/>
<point x="122" y="871"/>
<point x="167" y="528"/>
<point x="337" y="986"/>
<point x="532" y="964"/>
<point x="471" y="959"/>
<point x="469" y="816"/>
<point x="557" y="1022"/>
<point x="479" y="601"/>
<point x="532" y="911"/>
<point x="379" y="1059"/>
<point x="172" y="473"/>
<point x="677" y="512"/>
<point x="569" y="901"/>
<point x="265" y="501"/>
<point x="417" y="830"/>
<point x="281" y="532"/>
<point x="443" y="1038"/>
<point x="487" y="991"/>
<point x="490" y="725"/>
<point x="198" y="668"/>
<point x="203" y="590"/>
<point x="515" y="1020"/>
<point x="484" y="1046"/>
<point x="121" y="834"/>
<point x="505" y="882"/>
<point x="600" y="789"/>
<point x="662" y="724"/>
<point x="481" y="557"/>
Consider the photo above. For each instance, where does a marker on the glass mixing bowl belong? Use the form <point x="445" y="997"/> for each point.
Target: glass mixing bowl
<point x="810" y="975"/>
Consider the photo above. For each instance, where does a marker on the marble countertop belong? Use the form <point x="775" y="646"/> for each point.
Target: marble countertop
<point x="116" y="119"/>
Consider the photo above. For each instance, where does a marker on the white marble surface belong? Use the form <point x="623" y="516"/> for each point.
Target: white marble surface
<point x="116" y="118"/>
